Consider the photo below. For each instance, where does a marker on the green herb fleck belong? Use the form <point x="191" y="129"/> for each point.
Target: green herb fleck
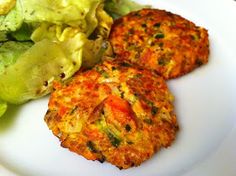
<point x="199" y="62"/>
<point x="148" y="121"/>
<point x="130" y="142"/>
<point x="99" y="70"/>
<point x="127" y="127"/>
<point x="73" y="110"/>
<point x="113" y="139"/>
<point x="163" y="61"/>
<point x="137" y="14"/>
<point x="159" y="35"/>
<point x="125" y="64"/>
<point x="137" y="75"/>
<point x="131" y="31"/>
<point x="122" y="94"/>
<point x="144" y="25"/>
<point x="195" y="37"/>
<point x="113" y="68"/>
<point x="160" y="44"/>
<point x="172" y="23"/>
<point x="154" y="110"/>
<point x="105" y="74"/>
<point x="91" y="146"/>
<point x="132" y="47"/>
<point x="102" y="159"/>
<point x="136" y="94"/>
<point x="157" y="24"/>
<point x="149" y="103"/>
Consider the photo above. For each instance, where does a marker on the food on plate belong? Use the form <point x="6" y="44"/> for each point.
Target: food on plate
<point x="43" y="41"/>
<point x="161" y="41"/>
<point x="114" y="112"/>
<point x="66" y="34"/>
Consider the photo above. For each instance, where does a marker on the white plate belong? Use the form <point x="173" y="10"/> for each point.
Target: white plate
<point x="205" y="105"/>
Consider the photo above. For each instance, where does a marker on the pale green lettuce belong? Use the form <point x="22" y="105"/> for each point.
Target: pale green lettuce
<point x="30" y="78"/>
<point x="3" y="107"/>
<point x="47" y="40"/>
<point x="75" y="13"/>
<point x="13" y="20"/>
<point x="118" y="8"/>
<point x="10" y="52"/>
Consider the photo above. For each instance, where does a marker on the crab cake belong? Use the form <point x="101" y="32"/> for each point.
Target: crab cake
<point x="115" y="113"/>
<point x="160" y="41"/>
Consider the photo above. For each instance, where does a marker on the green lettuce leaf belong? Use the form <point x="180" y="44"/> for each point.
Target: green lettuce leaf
<point x="93" y="51"/>
<point x="9" y="53"/>
<point x="75" y="13"/>
<point x="22" y="34"/>
<point x="33" y="73"/>
<point x="118" y="8"/>
<point x="3" y="36"/>
<point x="3" y="107"/>
<point x="60" y="33"/>
<point x="13" y="20"/>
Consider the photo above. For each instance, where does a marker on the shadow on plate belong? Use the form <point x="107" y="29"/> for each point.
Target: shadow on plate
<point x="8" y="119"/>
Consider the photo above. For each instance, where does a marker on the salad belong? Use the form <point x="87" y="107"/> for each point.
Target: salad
<point x="46" y="41"/>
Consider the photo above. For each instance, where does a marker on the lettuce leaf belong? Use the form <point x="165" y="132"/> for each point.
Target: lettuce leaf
<point x="75" y="13"/>
<point x="9" y="53"/>
<point x="12" y="20"/>
<point x="93" y="51"/>
<point x="3" y="107"/>
<point x="118" y="8"/>
<point x="60" y="39"/>
<point x="32" y="75"/>
<point x="22" y="34"/>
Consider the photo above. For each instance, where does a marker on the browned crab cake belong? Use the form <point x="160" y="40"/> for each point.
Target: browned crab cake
<point x="114" y="112"/>
<point x="161" y="41"/>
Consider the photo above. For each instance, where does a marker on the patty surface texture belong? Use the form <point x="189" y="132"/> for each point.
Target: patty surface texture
<point x="161" y="41"/>
<point x="115" y="112"/>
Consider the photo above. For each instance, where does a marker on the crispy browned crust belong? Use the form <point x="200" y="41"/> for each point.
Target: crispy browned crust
<point x="115" y="113"/>
<point x="161" y="41"/>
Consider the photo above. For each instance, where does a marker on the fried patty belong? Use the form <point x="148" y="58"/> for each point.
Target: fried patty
<point x="114" y="112"/>
<point x="161" y="41"/>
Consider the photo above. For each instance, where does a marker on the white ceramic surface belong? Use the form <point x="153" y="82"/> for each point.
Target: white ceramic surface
<point x="205" y="106"/>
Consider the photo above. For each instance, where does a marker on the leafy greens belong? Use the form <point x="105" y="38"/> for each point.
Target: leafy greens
<point x="46" y="40"/>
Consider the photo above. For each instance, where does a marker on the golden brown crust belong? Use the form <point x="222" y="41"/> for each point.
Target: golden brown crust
<point x="114" y="112"/>
<point x="161" y="41"/>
